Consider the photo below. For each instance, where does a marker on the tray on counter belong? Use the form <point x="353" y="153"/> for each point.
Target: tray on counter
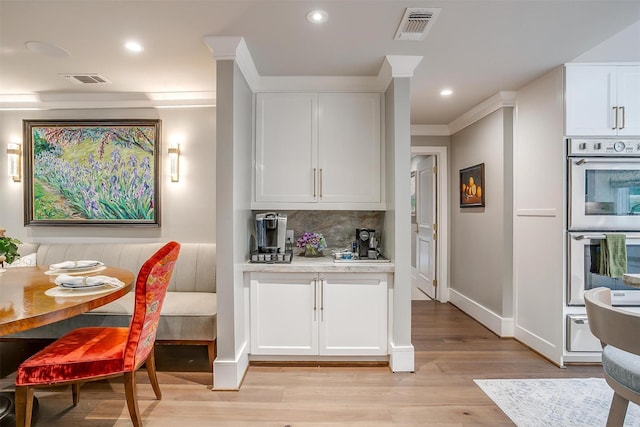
<point x="284" y="258"/>
<point x="361" y="260"/>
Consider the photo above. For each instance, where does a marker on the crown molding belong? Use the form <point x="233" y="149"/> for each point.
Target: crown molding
<point x="488" y="106"/>
<point x="230" y="48"/>
<point x="106" y="100"/>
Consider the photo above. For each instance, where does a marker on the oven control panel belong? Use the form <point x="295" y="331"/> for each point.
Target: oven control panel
<point x="604" y="147"/>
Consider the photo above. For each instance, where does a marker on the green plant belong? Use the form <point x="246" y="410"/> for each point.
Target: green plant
<point x="9" y="247"/>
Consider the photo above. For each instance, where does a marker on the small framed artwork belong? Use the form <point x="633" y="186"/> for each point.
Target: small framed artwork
<point x="92" y="172"/>
<point x="413" y="197"/>
<point x="472" y="186"/>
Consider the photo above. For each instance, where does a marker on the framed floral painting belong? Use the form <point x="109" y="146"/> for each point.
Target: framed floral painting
<point x="92" y="172"/>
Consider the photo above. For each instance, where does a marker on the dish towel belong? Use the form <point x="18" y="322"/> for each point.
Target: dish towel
<point x="79" y="282"/>
<point x="613" y="255"/>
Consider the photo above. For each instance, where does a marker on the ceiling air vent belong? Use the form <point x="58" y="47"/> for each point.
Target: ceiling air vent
<point x="416" y="23"/>
<point x="83" y="79"/>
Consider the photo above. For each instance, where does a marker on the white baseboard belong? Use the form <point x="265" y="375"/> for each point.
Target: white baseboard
<point x="501" y="326"/>
<point x="402" y="358"/>
<point x="228" y="374"/>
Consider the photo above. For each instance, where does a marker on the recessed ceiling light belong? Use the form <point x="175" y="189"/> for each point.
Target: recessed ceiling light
<point x="134" y="46"/>
<point x="446" y="92"/>
<point x="317" y="16"/>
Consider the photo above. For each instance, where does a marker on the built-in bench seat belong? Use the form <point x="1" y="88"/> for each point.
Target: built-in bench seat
<point x="189" y="311"/>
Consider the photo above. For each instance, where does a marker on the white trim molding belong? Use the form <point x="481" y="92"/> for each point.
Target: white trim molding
<point x="402" y="358"/>
<point x="499" y="100"/>
<point x="71" y="101"/>
<point x="501" y="326"/>
<point x="228" y="374"/>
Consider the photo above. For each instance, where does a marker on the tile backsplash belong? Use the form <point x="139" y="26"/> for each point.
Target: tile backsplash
<point x="337" y="227"/>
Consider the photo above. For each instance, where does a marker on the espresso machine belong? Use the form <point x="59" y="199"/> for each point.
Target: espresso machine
<point x="365" y="242"/>
<point x="271" y="232"/>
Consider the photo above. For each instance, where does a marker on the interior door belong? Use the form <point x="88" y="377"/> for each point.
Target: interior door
<point x="426" y="228"/>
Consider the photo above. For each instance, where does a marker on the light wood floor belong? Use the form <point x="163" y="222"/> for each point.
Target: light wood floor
<point x="451" y="350"/>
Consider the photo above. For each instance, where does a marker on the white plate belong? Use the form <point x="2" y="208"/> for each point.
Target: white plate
<point x="71" y="273"/>
<point x="2" y="270"/>
<point x="59" y="291"/>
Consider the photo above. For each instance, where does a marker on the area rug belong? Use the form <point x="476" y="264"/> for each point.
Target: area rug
<point x="566" y="402"/>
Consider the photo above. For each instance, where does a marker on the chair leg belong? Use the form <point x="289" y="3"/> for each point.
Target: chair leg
<point x="132" y="398"/>
<point x="618" y="411"/>
<point x="75" y="392"/>
<point x="211" y="352"/>
<point x="24" y="406"/>
<point x="150" y="363"/>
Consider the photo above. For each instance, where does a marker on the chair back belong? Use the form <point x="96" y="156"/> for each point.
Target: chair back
<point x="151" y="288"/>
<point x="612" y="325"/>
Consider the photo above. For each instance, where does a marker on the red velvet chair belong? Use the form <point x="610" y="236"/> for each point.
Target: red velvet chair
<point x="89" y="354"/>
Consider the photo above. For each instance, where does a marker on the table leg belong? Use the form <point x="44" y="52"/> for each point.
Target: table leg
<point x="7" y="410"/>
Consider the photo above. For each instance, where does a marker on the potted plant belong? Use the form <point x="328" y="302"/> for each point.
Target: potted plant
<point x="8" y="248"/>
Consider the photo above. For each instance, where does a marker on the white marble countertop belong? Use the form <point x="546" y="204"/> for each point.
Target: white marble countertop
<point x="323" y="264"/>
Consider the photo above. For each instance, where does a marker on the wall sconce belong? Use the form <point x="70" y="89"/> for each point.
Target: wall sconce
<point x="14" y="162"/>
<point x="174" y="162"/>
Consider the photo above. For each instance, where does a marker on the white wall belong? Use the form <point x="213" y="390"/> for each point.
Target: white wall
<point x="187" y="207"/>
<point x="397" y="232"/>
<point x="234" y="115"/>
<point x="539" y="183"/>
<point x="480" y="236"/>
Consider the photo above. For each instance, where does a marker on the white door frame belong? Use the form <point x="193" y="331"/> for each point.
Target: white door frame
<point x="442" y="244"/>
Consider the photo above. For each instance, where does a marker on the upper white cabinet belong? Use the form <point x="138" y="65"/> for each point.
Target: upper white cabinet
<point x="602" y="100"/>
<point x="316" y="150"/>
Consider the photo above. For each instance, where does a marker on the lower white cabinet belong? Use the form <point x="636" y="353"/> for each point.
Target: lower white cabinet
<point x="318" y="314"/>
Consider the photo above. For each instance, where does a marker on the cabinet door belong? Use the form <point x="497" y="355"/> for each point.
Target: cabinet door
<point x="628" y="85"/>
<point x="353" y="314"/>
<point x="286" y="147"/>
<point x="589" y="100"/>
<point x="349" y="147"/>
<point x="284" y="314"/>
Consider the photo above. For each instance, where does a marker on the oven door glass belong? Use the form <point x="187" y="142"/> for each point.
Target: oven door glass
<point x="585" y="265"/>
<point x="604" y="194"/>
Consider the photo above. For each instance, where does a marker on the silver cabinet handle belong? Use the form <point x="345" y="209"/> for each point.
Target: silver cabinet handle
<point x="622" y="110"/>
<point x="314" y="182"/>
<point x="315" y="294"/>
<point x="321" y="183"/>
<point x="322" y="298"/>
<point x="615" y="119"/>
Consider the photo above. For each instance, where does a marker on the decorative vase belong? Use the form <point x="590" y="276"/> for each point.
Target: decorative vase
<point x="311" y="252"/>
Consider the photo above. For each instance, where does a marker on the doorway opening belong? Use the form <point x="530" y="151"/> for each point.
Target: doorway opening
<point x="429" y="225"/>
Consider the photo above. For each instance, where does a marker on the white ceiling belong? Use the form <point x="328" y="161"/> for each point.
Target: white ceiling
<point x="475" y="47"/>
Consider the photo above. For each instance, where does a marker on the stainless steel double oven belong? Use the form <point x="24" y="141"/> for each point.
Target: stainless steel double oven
<point x="603" y="197"/>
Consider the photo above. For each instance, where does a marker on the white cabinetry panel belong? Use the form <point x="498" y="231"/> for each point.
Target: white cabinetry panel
<point x="602" y="100"/>
<point x="316" y="151"/>
<point x="354" y="315"/>
<point x="628" y="89"/>
<point x="349" y="149"/>
<point x="323" y="314"/>
<point x="286" y="147"/>
<point x="283" y="319"/>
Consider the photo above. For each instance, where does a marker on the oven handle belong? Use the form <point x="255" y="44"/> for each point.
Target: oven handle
<point x="582" y="161"/>
<point x="596" y="237"/>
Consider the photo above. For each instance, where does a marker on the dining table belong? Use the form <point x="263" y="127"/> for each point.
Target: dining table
<point x="29" y="298"/>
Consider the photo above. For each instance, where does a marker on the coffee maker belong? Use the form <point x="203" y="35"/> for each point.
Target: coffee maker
<point x="365" y="240"/>
<point x="271" y="232"/>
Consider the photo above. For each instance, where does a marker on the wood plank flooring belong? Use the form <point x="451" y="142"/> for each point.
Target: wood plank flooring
<point x="451" y="350"/>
